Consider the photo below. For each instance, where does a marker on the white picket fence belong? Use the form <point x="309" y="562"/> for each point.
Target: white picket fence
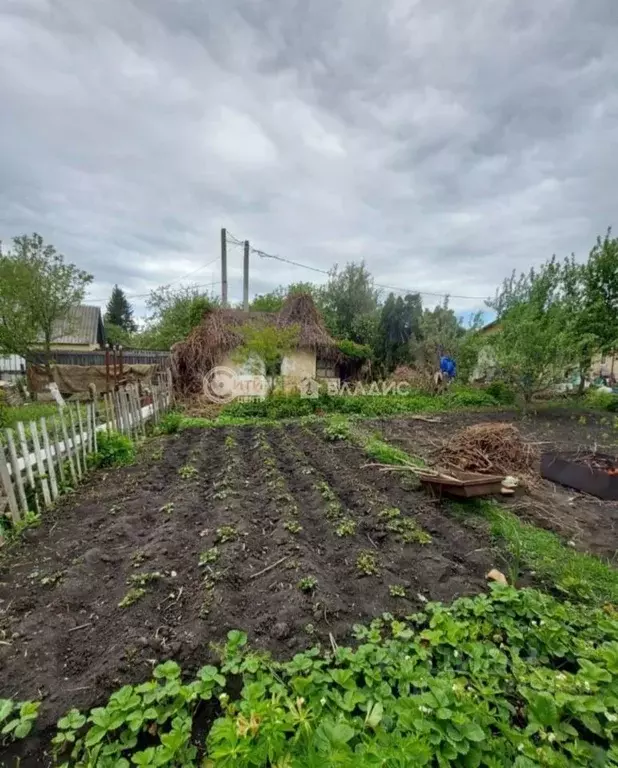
<point x="39" y="459"/>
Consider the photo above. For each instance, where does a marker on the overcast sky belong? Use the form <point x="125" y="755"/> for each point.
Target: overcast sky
<point x="445" y="142"/>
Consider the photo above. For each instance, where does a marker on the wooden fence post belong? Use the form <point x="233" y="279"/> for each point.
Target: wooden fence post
<point x="59" y="460"/>
<point x="8" y="486"/>
<point x="50" y="459"/>
<point x="95" y="444"/>
<point x="78" y="463"/>
<point x="67" y="446"/>
<point x="16" y="471"/>
<point x="38" y="454"/>
<point x="82" y="436"/>
<point x="25" y="453"/>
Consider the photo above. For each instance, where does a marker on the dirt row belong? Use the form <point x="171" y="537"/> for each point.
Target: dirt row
<point x="231" y="492"/>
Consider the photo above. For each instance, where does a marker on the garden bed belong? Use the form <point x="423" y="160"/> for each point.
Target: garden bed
<point x="589" y="523"/>
<point x="296" y="544"/>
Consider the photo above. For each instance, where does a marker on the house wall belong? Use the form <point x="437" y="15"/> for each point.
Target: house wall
<point x="604" y="365"/>
<point x="295" y="366"/>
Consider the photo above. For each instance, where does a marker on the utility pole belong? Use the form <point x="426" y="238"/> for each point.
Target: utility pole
<point x="224" y="267"/>
<point x="245" y="278"/>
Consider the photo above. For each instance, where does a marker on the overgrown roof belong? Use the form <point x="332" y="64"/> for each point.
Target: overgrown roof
<point x="219" y="333"/>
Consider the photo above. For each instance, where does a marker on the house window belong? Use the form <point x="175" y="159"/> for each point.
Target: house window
<point x="325" y="369"/>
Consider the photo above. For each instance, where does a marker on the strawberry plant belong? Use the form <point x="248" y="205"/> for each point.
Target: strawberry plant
<point x="17" y="719"/>
<point x="307" y="584"/>
<point x="510" y="678"/>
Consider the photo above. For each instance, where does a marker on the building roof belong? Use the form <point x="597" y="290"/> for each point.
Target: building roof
<point x="83" y="325"/>
<point x="221" y="331"/>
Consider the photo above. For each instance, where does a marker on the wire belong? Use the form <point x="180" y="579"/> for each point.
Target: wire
<point x="264" y="255"/>
<point x="231" y="238"/>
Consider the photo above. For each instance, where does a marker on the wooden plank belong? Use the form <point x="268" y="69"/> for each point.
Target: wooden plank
<point x="120" y="425"/>
<point x="5" y="477"/>
<point x="109" y="425"/>
<point x="25" y="453"/>
<point x="59" y="460"/>
<point x="139" y="427"/>
<point x="50" y="459"/>
<point x="125" y="411"/>
<point x="17" y="479"/>
<point x="68" y="448"/>
<point x="82" y="437"/>
<point x="75" y="447"/>
<point x="153" y="393"/>
<point x="40" y="464"/>
<point x="95" y="445"/>
<point x="89" y="427"/>
<point x="142" y="422"/>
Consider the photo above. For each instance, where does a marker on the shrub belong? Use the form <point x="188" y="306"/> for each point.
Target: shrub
<point x="603" y="401"/>
<point x="170" y="423"/>
<point x="114" y="450"/>
<point x="501" y="392"/>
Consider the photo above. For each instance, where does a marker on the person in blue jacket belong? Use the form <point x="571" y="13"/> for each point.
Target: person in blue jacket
<point x="448" y="368"/>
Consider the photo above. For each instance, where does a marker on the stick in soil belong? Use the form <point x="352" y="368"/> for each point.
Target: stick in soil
<point x="270" y="567"/>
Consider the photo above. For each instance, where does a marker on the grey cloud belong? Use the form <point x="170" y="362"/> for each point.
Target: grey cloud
<point x="444" y="143"/>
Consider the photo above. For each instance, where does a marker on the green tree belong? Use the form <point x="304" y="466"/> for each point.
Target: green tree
<point x="273" y="301"/>
<point x="119" y="311"/>
<point x="600" y="305"/>
<point x="349" y="303"/>
<point x="264" y="348"/>
<point x="441" y="333"/>
<point x="37" y="291"/>
<point x="399" y="328"/>
<point x="535" y="344"/>
<point x="174" y="312"/>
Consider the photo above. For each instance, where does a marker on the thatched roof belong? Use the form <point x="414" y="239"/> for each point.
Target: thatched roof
<point x="219" y="333"/>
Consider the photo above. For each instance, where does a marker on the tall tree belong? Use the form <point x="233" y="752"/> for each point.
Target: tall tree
<point x="535" y="344"/>
<point x="174" y="312"/>
<point x="119" y="311"/>
<point x="400" y="324"/>
<point x="37" y="291"/>
<point x="348" y="300"/>
<point x="440" y="333"/>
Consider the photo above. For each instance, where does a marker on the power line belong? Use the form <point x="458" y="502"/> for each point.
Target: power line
<point x="264" y="255"/>
<point x="145" y="295"/>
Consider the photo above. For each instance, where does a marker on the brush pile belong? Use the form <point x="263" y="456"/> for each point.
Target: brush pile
<point x="490" y="449"/>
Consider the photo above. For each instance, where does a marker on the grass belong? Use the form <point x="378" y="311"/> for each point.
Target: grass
<point x="575" y="573"/>
<point x="27" y="413"/>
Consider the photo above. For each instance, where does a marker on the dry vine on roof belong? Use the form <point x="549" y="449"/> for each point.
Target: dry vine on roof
<point x="219" y="333"/>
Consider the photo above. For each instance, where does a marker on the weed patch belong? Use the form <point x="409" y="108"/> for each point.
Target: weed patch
<point x="114" y="450"/>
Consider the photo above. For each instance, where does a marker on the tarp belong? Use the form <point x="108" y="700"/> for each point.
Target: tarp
<point x="72" y="379"/>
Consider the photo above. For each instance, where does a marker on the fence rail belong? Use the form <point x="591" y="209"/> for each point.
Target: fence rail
<point x="40" y="459"/>
<point x="97" y="357"/>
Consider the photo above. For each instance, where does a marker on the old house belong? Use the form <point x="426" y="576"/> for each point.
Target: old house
<point x="316" y="356"/>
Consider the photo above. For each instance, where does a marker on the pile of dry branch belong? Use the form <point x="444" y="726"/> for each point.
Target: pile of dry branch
<point x="490" y="448"/>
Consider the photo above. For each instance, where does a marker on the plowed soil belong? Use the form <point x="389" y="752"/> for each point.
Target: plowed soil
<point x="67" y="641"/>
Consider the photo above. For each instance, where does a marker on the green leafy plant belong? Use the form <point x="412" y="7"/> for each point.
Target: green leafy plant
<point x="512" y="677"/>
<point x="293" y="526"/>
<point x="187" y="471"/>
<point x="347" y="527"/>
<point x="114" y="450"/>
<point x="132" y="596"/>
<point x="337" y="428"/>
<point x="170" y="423"/>
<point x="396" y="590"/>
<point x="226" y="533"/>
<point x="17" y="719"/>
<point x="167" y="508"/>
<point x="367" y="563"/>
<point x="209" y="556"/>
<point x="307" y="584"/>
